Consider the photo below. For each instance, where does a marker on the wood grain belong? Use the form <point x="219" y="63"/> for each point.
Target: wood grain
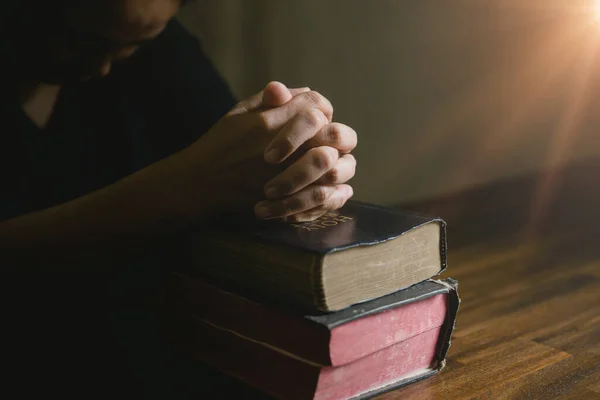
<point x="533" y="331"/>
<point x="529" y="323"/>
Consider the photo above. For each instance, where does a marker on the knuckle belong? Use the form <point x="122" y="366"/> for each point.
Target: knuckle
<point x="335" y="134"/>
<point x="319" y="101"/>
<point x="319" y="195"/>
<point x="315" y="118"/>
<point x="322" y="159"/>
<point x="264" y="121"/>
<point x="314" y="98"/>
<point x="333" y="175"/>
<point x="341" y="135"/>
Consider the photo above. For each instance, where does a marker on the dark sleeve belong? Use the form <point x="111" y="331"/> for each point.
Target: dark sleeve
<point x="176" y="90"/>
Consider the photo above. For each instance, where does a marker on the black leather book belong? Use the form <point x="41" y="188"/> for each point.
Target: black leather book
<point x="356" y="254"/>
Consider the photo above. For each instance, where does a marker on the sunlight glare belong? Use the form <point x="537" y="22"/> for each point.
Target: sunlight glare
<point x="596" y="10"/>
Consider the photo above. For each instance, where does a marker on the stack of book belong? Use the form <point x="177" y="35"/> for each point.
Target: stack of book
<point x="340" y="308"/>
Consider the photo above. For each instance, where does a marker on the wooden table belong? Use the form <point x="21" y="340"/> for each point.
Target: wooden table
<point x="529" y="322"/>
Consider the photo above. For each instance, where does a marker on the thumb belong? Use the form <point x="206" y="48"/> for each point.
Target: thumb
<point x="275" y="95"/>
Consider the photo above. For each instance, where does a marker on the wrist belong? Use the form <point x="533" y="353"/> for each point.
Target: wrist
<point x="191" y="187"/>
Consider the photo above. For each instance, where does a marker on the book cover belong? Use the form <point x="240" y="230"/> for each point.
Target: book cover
<point x="352" y="255"/>
<point x="327" y="339"/>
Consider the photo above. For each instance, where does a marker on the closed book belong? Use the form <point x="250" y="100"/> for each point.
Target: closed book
<point x="379" y="345"/>
<point x="358" y="253"/>
<point x="328" y="339"/>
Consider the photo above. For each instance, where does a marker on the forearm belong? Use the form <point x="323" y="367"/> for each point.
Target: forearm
<point x="151" y="201"/>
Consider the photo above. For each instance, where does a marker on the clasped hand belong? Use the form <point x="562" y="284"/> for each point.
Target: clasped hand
<point x="280" y="152"/>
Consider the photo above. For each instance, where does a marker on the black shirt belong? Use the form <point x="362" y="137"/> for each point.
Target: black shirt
<point x="151" y="105"/>
<point x="65" y="327"/>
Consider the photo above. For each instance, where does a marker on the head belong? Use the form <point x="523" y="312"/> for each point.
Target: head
<point x="70" y="40"/>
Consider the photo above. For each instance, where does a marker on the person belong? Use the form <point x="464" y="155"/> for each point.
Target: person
<point x="118" y="129"/>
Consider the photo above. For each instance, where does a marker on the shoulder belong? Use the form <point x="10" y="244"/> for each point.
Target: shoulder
<point x="174" y="80"/>
<point x="176" y="61"/>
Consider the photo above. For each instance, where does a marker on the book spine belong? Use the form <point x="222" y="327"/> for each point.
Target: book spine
<point x="443" y="244"/>
<point x="316" y="282"/>
<point x="446" y="335"/>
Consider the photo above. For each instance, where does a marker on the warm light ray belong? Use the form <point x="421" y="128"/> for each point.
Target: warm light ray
<point x="535" y="94"/>
<point x="538" y="74"/>
<point x="565" y="134"/>
<point x="539" y="66"/>
<point x="596" y="10"/>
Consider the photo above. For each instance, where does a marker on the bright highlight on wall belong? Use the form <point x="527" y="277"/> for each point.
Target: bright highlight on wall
<point x="596" y="10"/>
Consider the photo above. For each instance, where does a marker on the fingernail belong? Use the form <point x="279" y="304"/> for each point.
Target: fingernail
<point x="272" y="156"/>
<point x="272" y="192"/>
<point x="278" y="190"/>
<point x="262" y="211"/>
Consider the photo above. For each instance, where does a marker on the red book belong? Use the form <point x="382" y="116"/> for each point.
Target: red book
<point x="360" y="351"/>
